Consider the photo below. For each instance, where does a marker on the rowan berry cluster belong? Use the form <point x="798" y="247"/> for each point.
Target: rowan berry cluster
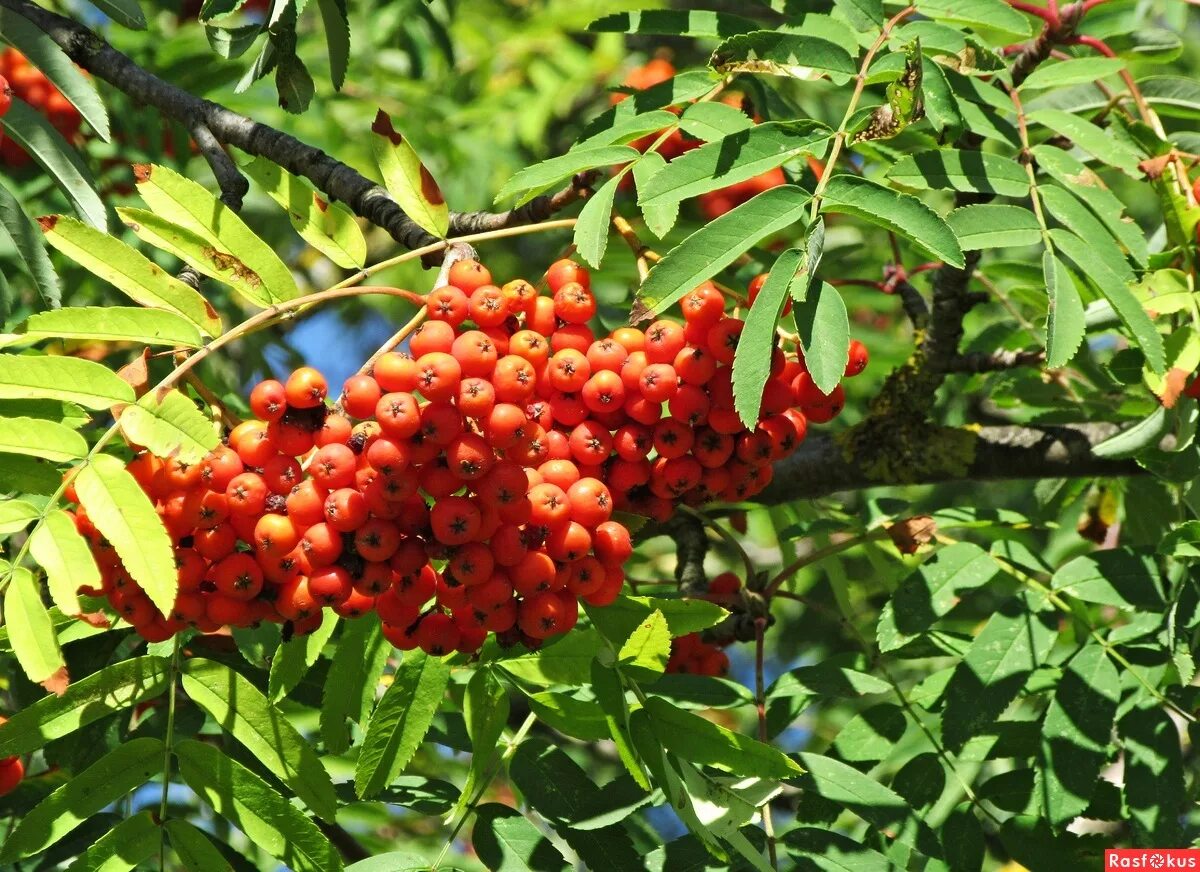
<point x="693" y="654"/>
<point x="28" y="83"/>
<point x="712" y="204"/>
<point x="468" y="484"/>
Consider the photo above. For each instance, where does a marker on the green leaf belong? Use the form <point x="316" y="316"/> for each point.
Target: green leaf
<point x="411" y="185"/>
<point x="336" y="28"/>
<point x="1074" y="71"/>
<point x="988" y="225"/>
<point x="400" y="721"/>
<point x="931" y="591"/>
<point x="196" y="851"/>
<point x="249" y="803"/>
<point x="610" y="695"/>
<point x="108" y="324"/>
<point x="988" y="15"/>
<point x="294" y="84"/>
<point x="126" y="767"/>
<point x="713" y="121"/>
<point x="1120" y="577"/>
<point x="629" y="129"/>
<point x="1076" y="732"/>
<point x="571" y="714"/>
<point x="328" y="227"/>
<point x="71" y="379"/>
<point x="823" y="325"/>
<point x="782" y="54"/>
<point x="646" y="651"/>
<point x="67" y="559"/>
<point x="563" y="793"/>
<point x="567" y="661"/>
<point x="241" y="710"/>
<point x="505" y="841"/>
<point x="185" y="203"/>
<point x="1014" y="642"/>
<point x="834" y="852"/>
<point x="350" y="684"/>
<point x="29" y="246"/>
<point x="861" y="794"/>
<point x="39" y="438"/>
<point x="952" y="169"/>
<point x="752" y="357"/>
<point x="620" y="617"/>
<point x="128" y="270"/>
<point x="485" y="710"/>
<point x="1118" y="294"/>
<point x="872" y="734"/>
<point x="1096" y="141"/>
<point x="900" y="213"/>
<point x="962" y="840"/>
<point x="16" y="515"/>
<point x="29" y="129"/>
<point x="1084" y="184"/>
<point x="862" y="14"/>
<point x="197" y="252"/>
<point x="661" y="218"/>
<point x="1143" y="435"/>
<point x="674" y="91"/>
<point x="130" y="843"/>
<point x="125" y="12"/>
<point x="113" y="688"/>
<point x="535" y="179"/>
<point x="29" y="627"/>
<point x="44" y="53"/>
<point x="296" y="656"/>
<point x="701" y="741"/>
<point x="169" y="425"/>
<point x="1065" y="322"/>
<point x="121" y="511"/>
<point x="715" y="246"/>
<point x="669" y="22"/>
<point x="1176" y="96"/>
<point x="594" y="223"/>
<point x="1077" y="218"/>
<point x="732" y="159"/>
<point x="1154" y="790"/>
<point x="941" y="108"/>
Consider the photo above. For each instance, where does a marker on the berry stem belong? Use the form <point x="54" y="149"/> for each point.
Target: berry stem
<point x="168" y="742"/>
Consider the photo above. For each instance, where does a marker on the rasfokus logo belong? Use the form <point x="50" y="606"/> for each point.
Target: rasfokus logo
<point x="1152" y="858"/>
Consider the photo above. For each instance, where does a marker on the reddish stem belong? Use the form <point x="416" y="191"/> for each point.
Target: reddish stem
<point x="1048" y="15"/>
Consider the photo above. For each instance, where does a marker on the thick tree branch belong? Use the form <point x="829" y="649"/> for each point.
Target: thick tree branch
<point x="823" y="465"/>
<point x="226" y="127"/>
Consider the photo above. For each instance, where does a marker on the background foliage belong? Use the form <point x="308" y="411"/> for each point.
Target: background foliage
<point x="948" y="674"/>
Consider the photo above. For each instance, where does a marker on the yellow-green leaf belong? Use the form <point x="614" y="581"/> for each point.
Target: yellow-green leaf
<point x="191" y="206"/>
<point x="197" y="252"/>
<point x="407" y="180"/>
<point x="29" y="627"/>
<point x="170" y="425"/>
<point x="40" y="438"/>
<point x="72" y="379"/>
<point x="648" y="647"/>
<point x="129" y="271"/>
<point x="328" y="227"/>
<point x="108" y="324"/>
<point x="59" y="549"/>
<point x="15" y="515"/>
<point x="121" y="511"/>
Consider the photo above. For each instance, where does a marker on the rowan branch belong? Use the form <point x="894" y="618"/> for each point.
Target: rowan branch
<point x="976" y="362"/>
<point x="822" y="466"/>
<point x="228" y="128"/>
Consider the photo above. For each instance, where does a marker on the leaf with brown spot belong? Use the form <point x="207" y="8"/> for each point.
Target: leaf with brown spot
<point x="1173" y="385"/>
<point x="407" y="179"/>
<point x="137" y="374"/>
<point x="910" y="534"/>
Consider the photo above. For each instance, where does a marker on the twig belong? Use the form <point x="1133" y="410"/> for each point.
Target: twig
<point x="978" y="361"/>
<point x="233" y="184"/>
<point x="338" y="180"/>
